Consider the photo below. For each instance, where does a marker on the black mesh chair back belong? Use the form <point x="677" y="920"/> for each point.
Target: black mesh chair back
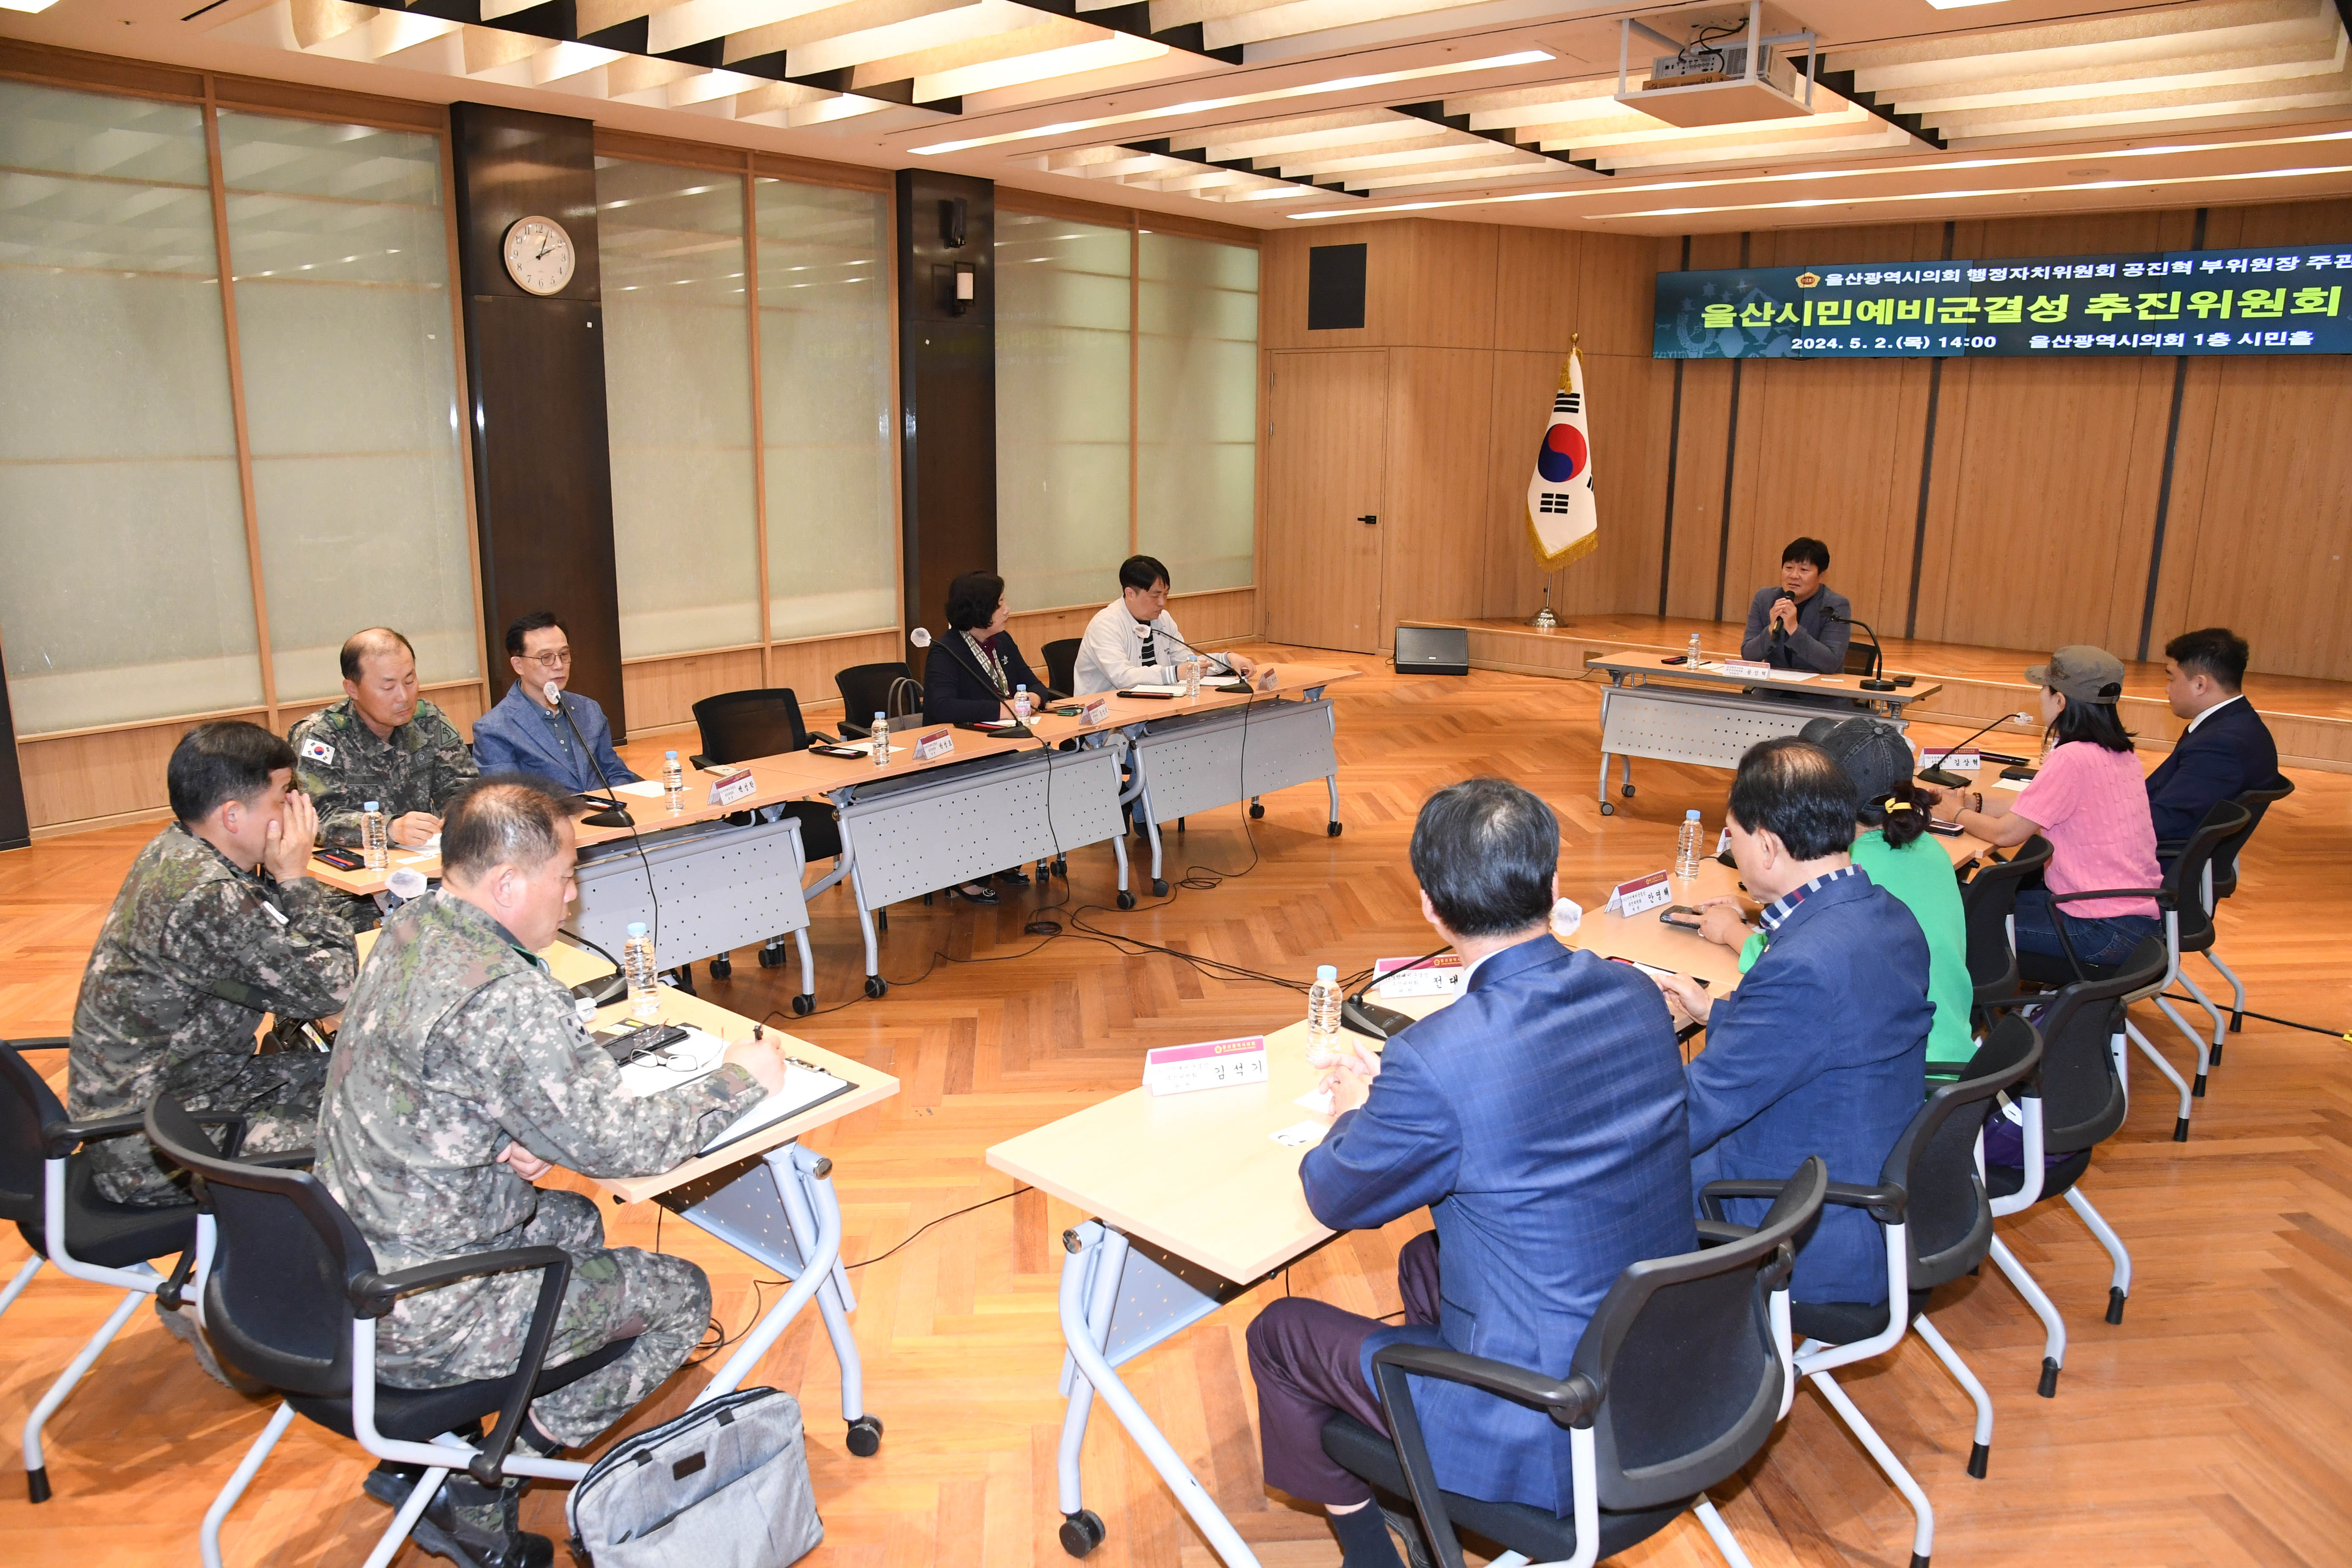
<point x="738" y="726"/>
<point x="1948" y="1215"/>
<point x="2256" y="802"/>
<point x="1987" y="899"/>
<point x="278" y="1296"/>
<point x="1686" y="1350"/>
<point x="870" y="689"/>
<point x="2083" y="1098"/>
<point x="2185" y="877"/>
<point x="28" y="1107"/>
<point x="1062" y="664"/>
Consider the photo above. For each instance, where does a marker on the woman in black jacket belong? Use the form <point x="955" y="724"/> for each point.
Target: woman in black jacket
<point x="971" y="675"/>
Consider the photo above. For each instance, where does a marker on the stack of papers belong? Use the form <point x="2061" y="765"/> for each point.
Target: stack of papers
<point x="698" y="1055"/>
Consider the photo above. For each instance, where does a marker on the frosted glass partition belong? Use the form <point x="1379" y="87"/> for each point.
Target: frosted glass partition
<point x="824" y="376"/>
<point x="677" y="391"/>
<point x="1062" y="376"/>
<point x="125" y="593"/>
<point x="1196" y="415"/>
<point x="337" y="236"/>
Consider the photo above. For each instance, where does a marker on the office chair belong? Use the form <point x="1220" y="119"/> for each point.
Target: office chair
<point x="2187" y="928"/>
<point x="2071" y="1104"/>
<point x="766" y="721"/>
<point x="870" y="689"/>
<point x="2221" y="880"/>
<point x="1988" y="899"/>
<point x="291" y="1296"/>
<point x="1938" y="1220"/>
<point x="1062" y="663"/>
<point x="47" y="1188"/>
<point x="1678" y="1381"/>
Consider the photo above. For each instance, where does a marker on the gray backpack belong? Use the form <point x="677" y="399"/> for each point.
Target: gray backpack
<point x="726" y="1485"/>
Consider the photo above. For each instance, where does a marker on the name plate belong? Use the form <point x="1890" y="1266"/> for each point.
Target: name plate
<point x="1095" y="712"/>
<point x="1746" y="666"/>
<point x="1957" y="762"/>
<point x="1212" y="1064"/>
<point x="1440" y="976"/>
<point x="938" y="744"/>
<point x="1648" y="892"/>
<point x="733" y="787"/>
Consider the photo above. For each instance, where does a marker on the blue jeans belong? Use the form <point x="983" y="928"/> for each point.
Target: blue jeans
<point x="2097" y="939"/>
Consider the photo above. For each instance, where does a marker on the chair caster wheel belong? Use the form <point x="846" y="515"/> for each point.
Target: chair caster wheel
<point x="2049" y="1389"/>
<point x="1625" y="790"/>
<point x="1607" y="809"/>
<point x="804" y="1005"/>
<point x="1158" y="887"/>
<point x="1081" y="1532"/>
<point x="1331" y="829"/>
<point x="36" y="1489"/>
<point x="2116" y="1299"/>
<point x="771" y="958"/>
<point x="864" y="1437"/>
<point x="1257" y="810"/>
<point x="1978" y="1457"/>
<point x="875" y="985"/>
<point x="1126" y="899"/>
<point x="1062" y="868"/>
<point x="722" y="967"/>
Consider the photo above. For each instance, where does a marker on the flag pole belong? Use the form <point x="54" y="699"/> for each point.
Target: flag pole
<point x="1543" y="620"/>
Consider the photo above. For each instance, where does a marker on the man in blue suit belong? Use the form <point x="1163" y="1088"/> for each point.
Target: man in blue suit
<point x="525" y="733"/>
<point x="1539" y="1119"/>
<point x="2227" y="749"/>
<point x="1823" y="1048"/>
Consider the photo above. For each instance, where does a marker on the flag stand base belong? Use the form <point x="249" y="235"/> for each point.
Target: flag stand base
<point x="1543" y="620"/>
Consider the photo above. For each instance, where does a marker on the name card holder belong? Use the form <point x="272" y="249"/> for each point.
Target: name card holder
<point x="1956" y="762"/>
<point x="1095" y="711"/>
<point x="1211" y="1064"/>
<point x="1643" y="893"/>
<point x="1440" y="976"/>
<point x="732" y="787"/>
<point x="938" y="744"/>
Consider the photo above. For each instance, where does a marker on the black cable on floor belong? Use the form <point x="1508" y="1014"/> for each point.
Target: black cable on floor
<point x="2265" y="1017"/>
<point x="941" y="1220"/>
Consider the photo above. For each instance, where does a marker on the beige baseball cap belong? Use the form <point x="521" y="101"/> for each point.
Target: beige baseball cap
<point x="2084" y="673"/>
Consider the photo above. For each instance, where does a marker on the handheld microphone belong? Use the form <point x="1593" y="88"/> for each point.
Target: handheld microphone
<point x="1370" y="1017"/>
<point x="1953" y="780"/>
<point x="1877" y="682"/>
<point x="614" y="813"/>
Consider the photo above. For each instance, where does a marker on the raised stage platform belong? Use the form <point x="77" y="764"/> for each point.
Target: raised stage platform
<point x="2312" y="720"/>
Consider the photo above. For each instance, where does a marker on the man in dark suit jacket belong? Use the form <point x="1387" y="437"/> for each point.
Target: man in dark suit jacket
<point x="2227" y="749"/>
<point x="1800" y="622"/>
<point x="1539" y="1118"/>
<point x="1823" y="1048"/>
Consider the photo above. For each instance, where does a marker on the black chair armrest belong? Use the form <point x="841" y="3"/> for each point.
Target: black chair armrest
<point x="1571" y="1403"/>
<point x="1719" y="1232"/>
<point x="46" y="1043"/>
<point x="2166" y="848"/>
<point x="1886" y="1204"/>
<point x="372" y="1296"/>
<point x="285" y="1160"/>
<point x="700" y="762"/>
<point x="819" y="738"/>
<point x="58" y="1138"/>
<point x="2163" y="895"/>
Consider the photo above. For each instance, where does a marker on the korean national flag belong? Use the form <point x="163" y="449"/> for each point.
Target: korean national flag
<point x="1562" y="520"/>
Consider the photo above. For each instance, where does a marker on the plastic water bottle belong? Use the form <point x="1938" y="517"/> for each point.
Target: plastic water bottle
<point x="1021" y="709"/>
<point x="1193" y="677"/>
<point x="637" y="961"/>
<point x="672" y="781"/>
<point x="1686" y="847"/>
<point x="1323" y="1000"/>
<point x="376" y="837"/>
<point x="1691" y="661"/>
<point x="881" y="733"/>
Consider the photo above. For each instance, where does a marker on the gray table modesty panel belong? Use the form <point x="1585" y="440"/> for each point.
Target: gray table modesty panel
<point x="954" y="828"/>
<point x="721" y="886"/>
<point x="1236" y="755"/>
<point x="1707" y="729"/>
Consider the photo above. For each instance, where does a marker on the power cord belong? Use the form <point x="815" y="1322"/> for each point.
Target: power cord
<point x="2265" y="1017"/>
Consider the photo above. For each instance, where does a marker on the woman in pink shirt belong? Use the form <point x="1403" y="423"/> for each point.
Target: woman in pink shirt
<point x="2089" y="801"/>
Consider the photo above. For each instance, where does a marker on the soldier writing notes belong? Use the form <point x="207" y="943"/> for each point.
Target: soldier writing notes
<point x="461" y="1074"/>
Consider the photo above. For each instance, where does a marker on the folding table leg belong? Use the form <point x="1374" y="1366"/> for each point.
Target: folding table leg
<point x="816" y="1263"/>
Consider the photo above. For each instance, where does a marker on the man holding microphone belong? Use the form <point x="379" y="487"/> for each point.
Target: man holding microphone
<point x="1799" y="622"/>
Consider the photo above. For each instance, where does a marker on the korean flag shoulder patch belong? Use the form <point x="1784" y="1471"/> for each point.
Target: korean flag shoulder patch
<point x="317" y="751"/>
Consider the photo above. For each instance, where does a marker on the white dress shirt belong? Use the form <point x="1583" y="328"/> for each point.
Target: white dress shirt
<point x="1110" y="655"/>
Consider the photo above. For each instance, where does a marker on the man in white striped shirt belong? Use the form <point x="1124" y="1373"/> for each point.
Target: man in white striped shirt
<point x="1134" y="642"/>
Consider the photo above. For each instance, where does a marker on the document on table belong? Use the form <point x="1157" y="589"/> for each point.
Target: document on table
<point x="697" y="1055"/>
<point x="1790" y="675"/>
<point x="644" y="789"/>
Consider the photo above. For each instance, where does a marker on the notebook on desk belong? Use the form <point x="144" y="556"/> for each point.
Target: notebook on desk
<point x="697" y="1055"/>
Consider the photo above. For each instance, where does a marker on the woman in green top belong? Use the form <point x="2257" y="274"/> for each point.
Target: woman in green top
<point x="1891" y="848"/>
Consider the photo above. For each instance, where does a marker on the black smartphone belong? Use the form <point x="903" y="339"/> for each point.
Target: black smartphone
<point x="2018" y="772"/>
<point x="1675" y="659"/>
<point x="341" y="860"/>
<point x="1152" y="694"/>
<point x="837" y="751"/>
<point x="1681" y="915"/>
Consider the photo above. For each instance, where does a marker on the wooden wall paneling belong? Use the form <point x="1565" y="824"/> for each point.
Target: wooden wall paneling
<point x="2269" y="559"/>
<point x="1389" y="279"/>
<point x="1451" y="302"/>
<point x="663" y="691"/>
<point x="76" y="780"/>
<point x="1327" y="461"/>
<point x="1616" y="295"/>
<point x="2288" y="223"/>
<point x="1539" y="288"/>
<point x="806" y="665"/>
<point x="1697" y="522"/>
<point x="2078" y="234"/>
<point x="1439" y="413"/>
<point x="1626" y="411"/>
<point x="2185" y="519"/>
<point x="1857" y="242"/>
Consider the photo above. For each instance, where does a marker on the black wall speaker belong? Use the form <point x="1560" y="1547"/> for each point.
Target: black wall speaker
<point x="1335" y="288"/>
<point x="1433" y="650"/>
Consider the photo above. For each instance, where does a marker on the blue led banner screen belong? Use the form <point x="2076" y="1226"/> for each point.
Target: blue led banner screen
<point x="2279" y="299"/>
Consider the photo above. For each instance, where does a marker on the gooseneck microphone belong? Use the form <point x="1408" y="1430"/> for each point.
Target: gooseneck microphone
<point x="1367" y="1017"/>
<point x="614" y="813"/>
<point x="1188" y="648"/>
<point x="1954" y="781"/>
<point x="1878" y="681"/>
<point x="921" y="637"/>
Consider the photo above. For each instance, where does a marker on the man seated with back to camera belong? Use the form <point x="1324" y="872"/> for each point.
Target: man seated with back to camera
<point x="1800" y="622"/>
<point x="461" y="1075"/>
<point x="1822" y="1048"/>
<point x="526" y="734"/>
<point x="1539" y="1119"/>
<point x="2227" y="749"/>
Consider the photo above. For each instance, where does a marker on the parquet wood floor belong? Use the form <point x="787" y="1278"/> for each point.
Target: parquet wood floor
<point x="2210" y="1429"/>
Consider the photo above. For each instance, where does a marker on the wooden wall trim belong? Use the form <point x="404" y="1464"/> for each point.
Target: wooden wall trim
<point x="643" y="147"/>
<point x="106" y="73"/>
<point x="815" y="172"/>
<point x="1053" y="204"/>
<point x="141" y="79"/>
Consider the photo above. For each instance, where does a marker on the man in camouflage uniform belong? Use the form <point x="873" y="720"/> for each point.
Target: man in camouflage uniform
<point x="461" y="1073"/>
<point x="381" y="743"/>
<point x="197" y="947"/>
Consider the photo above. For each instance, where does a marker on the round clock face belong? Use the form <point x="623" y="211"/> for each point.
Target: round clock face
<point x="539" y="255"/>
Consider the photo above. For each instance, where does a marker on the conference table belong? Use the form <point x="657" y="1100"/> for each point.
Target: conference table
<point x="1193" y="1201"/>
<point x="1709" y="716"/>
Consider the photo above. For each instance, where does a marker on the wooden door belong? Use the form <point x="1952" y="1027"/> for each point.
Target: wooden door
<point x="1326" y="483"/>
